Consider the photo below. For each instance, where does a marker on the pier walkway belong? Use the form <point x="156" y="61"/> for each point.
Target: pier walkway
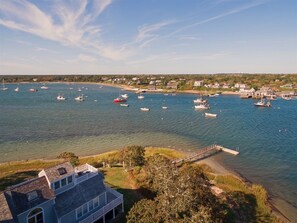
<point x="205" y="152"/>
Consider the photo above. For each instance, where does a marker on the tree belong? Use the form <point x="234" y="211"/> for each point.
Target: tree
<point x="69" y="156"/>
<point x="133" y="155"/>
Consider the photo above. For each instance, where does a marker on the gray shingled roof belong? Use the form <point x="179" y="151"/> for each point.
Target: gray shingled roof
<point x="80" y="194"/>
<point x="53" y="174"/>
<point x="5" y="213"/>
<point x="18" y="194"/>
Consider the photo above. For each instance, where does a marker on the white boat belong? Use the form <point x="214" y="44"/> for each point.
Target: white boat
<point x="140" y="97"/>
<point x="124" y="105"/>
<point x="33" y="90"/>
<point x="199" y="100"/>
<point x="164" y="107"/>
<point x="79" y="89"/>
<point x="262" y="103"/>
<point x="44" y="87"/>
<point x="79" y="98"/>
<point x="202" y="106"/>
<point x="124" y="96"/>
<point x="17" y="89"/>
<point x="144" y="109"/>
<point x="3" y="86"/>
<point x="210" y="115"/>
<point x="61" y="98"/>
<point x="287" y="97"/>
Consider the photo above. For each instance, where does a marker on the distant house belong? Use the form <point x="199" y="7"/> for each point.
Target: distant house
<point x="265" y="91"/>
<point x="226" y="86"/>
<point x="216" y="85"/>
<point x="151" y="87"/>
<point x="240" y="86"/>
<point x="60" y="194"/>
<point x="172" y="85"/>
<point x="198" y="83"/>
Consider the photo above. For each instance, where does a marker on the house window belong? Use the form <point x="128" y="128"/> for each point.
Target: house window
<point x="96" y="202"/>
<point x="69" y="179"/>
<point x="79" y="212"/>
<point x="63" y="182"/>
<point x="62" y="171"/>
<point x="85" y="209"/>
<point x="91" y="205"/>
<point x="35" y="216"/>
<point x="57" y="185"/>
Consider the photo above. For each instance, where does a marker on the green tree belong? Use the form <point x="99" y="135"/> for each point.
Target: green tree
<point x="69" y="156"/>
<point x="133" y="155"/>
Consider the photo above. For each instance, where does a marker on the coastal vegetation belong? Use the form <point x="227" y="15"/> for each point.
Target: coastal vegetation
<point x="220" y="82"/>
<point x="155" y="190"/>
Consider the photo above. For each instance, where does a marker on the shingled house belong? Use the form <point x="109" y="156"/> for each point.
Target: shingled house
<point x="60" y="194"/>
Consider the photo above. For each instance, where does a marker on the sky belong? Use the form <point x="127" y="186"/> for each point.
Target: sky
<point x="148" y="36"/>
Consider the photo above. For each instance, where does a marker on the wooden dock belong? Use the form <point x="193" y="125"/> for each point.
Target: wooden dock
<point x="205" y="152"/>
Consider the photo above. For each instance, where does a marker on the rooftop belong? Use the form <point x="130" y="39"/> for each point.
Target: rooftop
<point x="59" y="171"/>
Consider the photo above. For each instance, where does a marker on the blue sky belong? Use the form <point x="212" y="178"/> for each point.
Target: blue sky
<point x="147" y="36"/>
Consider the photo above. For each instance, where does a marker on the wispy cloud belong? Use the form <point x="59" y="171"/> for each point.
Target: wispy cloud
<point x="220" y="16"/>
<point x="69" y="22"/>
<point x="148" y="33"/>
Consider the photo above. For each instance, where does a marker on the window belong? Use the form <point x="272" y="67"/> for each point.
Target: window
<point x="91" y="205"/>
<point x="96" y="202"/>
<point x="35" y="216"/>
<point x="57" y="185"/>
<point x="79" y="212"/>
<point x="69" y="179"/>
<point x="32" y="195"/>
<point x="62" y="171"/>
<point x="85" y="209"/>
<point x="63" y="182"/>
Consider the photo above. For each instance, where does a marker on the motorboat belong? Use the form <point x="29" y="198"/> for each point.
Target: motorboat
<point x="144" y="109"/>
<point x="140" y="97"/>
<point x="199" y="100"/>
<point x="79" y="98"/>
<point x="44" y="87"/>
<point x="119" y="99"/>
<point x="124" y="105"/>
<point x="210" y="115"/>
<point x="33" y="90"/>
<point x="17" y="89"/>
<point x="164" y="107"/>
<point x="124" y="96"/>
<point x="202" y="106"/>
<point x="61" y="98"/>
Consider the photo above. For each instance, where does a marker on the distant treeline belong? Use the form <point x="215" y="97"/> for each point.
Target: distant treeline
<point x="185" y="81"/>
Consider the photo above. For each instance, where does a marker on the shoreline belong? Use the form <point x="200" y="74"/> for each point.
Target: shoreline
<point x="217" y="167"/>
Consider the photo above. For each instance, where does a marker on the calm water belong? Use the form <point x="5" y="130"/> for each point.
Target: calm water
<point x="36" y="125"/>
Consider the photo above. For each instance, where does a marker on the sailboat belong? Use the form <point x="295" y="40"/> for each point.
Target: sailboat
<point x="3" y="86"/>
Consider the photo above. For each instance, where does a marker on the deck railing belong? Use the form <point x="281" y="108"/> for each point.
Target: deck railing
<point x="104" y="210"/>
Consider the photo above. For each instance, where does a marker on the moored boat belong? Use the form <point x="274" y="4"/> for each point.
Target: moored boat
<point x="61" y="98"/>
<point x="124" y="96"/>
<point x="202" y="106"/>
<point x="164" y="107"/>
<point x="144" y="109"/>
<point x="140" y="97"/>
<point x="3" y="86"/>
<point x="44" y="87"/>
<point x="210" y="115"/>
<point x="117" y="100"/>
<point x="17" y="89"/>
<point x="33" y="90"/>
<point x="262" y="103"/>
<point x="124" y="105"/>
<point x="79" y="98"/>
